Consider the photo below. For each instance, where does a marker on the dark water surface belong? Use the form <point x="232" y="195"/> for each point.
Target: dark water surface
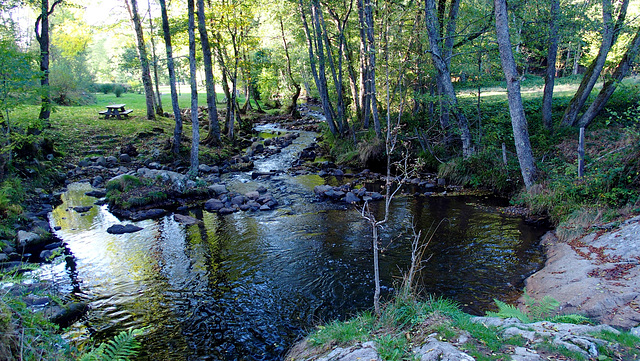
<point x="245" y="286"/>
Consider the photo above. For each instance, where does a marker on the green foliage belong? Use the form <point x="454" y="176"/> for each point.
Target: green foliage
<point x="70" y="80"/>
<point x="123" y="347"/>
<point x="537" y="310"/>
<point x="392" y="348"/>
<point x="346" y="332"/>
<point x="11" y="197"/>
<point x="509" y="311"/>
<point x="118" y="89"/>
<point x="484" y="169"/>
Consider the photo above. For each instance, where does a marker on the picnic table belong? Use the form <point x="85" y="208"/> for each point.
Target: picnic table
<point x="115" y="111"/>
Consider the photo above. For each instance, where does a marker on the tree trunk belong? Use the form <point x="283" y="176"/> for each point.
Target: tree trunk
<point x="371" y="46"/>
<point x="42" y="36"/>
<point x="610" y="33"/>
<point x="159" y="109"/>
<point x="365" y="91"/>
<point x="450" y="101"/>
<point x="550" y="74"/>
<point x="177" y="132"/>
<point x="213" y="138"/>
<point x="195" y="140"/>
<point x="610" y="85"/>
<point x="292" y="109"/>
<point x="518" y="119"/>
<point x="144" y="61"/>
<point x="318" y="76"/>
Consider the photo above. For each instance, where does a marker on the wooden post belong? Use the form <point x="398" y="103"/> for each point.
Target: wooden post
<point x="581" y="154"/>
<point x="504" y="154"/>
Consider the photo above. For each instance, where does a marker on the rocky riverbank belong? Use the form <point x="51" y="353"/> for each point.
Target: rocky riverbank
<point x="596" y="275"/>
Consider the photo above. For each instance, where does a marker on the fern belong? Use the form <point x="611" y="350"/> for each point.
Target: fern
<point x="571" y="318"/>
<point x="121" y="348"/>
<point x="509" y="311"/>
<point x="540" y="310"/>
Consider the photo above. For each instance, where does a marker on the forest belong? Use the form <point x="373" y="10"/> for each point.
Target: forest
<point x="536" y="103"/>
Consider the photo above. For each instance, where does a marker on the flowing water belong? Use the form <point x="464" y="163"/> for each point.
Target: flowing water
<point x="245" y="286"/>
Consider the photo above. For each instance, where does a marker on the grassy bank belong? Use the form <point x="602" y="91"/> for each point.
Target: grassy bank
<point x="406" y="323"/>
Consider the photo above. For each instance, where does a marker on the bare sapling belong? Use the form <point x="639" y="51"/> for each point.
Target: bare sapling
<point x="392" y="184"/>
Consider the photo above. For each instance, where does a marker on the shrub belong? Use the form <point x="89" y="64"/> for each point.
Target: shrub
<point x="118" y="90"/>
<point x="484" y="169"/>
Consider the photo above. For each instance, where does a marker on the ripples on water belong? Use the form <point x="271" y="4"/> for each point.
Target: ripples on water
<point x="246" y="286"/>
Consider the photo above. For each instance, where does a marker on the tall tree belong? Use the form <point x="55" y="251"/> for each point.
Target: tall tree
<point x="610" y="32"/>
<point x="159" y="109"/>
<point x="213" y="138"/>
<point x="316" y="57"/>
<point x="195" y="140"/>
<point x="516" y="110"/>
<point x="292" y="108"/>
<point x="550" y="72"/>
<point x="42" y="36"/>
<point x="177" y="132"/>
<point x="611" y="83"/>
<point x="441" y="57"/>
<point x="144" y="60"/>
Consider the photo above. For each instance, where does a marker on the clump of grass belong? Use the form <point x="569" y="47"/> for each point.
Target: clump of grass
<point x="482" y="170"/>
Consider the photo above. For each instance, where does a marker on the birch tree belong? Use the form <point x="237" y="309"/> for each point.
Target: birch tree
<point x="516" y="110"/>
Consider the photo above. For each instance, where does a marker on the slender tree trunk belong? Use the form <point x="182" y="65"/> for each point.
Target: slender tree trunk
<point x="576" y="58"/>
<point x="371" y="46"/>
<point x="449" y="98"/>
<point x="365" y="93"/>
<point x="213" y="138"/>
<point x="610" y="33"/>
<point x="318" y="56"/>
<point x="516" y="110"/>
<point x="550" y="73"/>
<point x="195" y="126"/>
<point x="42" y="36"/>
<point x="177" y="132"/>
<point x="610" y="85"/>
<point x="292" y="109"/>
<point x="159" y="109"/>
<point x="144" y="60"/>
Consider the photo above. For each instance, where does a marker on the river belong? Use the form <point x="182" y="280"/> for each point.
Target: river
<point x="246" y="286"/>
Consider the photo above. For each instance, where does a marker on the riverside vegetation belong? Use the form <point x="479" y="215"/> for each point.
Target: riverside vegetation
<point x="609" y="193"/>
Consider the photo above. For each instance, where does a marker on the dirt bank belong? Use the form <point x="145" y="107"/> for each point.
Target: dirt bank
<point x="597" y="276"/>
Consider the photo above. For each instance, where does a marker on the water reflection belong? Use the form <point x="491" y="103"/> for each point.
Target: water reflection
<point x="246" y="285"/>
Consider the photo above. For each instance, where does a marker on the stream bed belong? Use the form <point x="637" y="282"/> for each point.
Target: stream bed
<point x="245" y="286"/>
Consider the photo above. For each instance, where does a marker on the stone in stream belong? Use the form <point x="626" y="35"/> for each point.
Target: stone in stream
<point x="122" y="229"/>
<point x="83" y="209"/>
<point x="322" y="189"/>
<point x="253" y="195"/>
<point x="351" y="198"/>
<point x="66" y="315"/>
<point x="26" y="239"/>
<point x="226" y="210"/>
<point x="97" y="193"/>
<point x="148" y="214"/>
<point x="213" y="205"/>
<point x="186" y="220"/>
<point x="218" y="189"/>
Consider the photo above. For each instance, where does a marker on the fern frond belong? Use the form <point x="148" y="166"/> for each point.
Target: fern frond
<point x="571" y="318"/>
<point x="509" y="311"/>
<point x="121" y="348"/>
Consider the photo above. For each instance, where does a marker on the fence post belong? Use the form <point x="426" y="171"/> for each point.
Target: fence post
<point x="581" y="154"/>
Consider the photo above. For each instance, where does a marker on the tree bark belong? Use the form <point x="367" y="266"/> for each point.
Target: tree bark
<point x="610" y="33"/>
<point x="159" y="109"/>
<point x="518" y="119"/>
<point x="550" y="73"/>
<point x="450" y="101"/>
<point x="292" y="109"/>
<point x="144" y="61"/>
<point x="42" y="36"/>
<point x="371" y="47"/>
<point x="610" y="85"/>
<point x="318" y="76"/>
<point x="365" y="91"/>
<point x="177" y="132"/>
<point x="213" y="138"/>
<point x="195" y="140"/>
